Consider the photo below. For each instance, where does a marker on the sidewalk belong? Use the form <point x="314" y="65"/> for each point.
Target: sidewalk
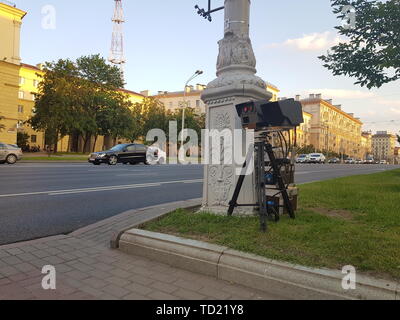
<point x="88" y="269"/>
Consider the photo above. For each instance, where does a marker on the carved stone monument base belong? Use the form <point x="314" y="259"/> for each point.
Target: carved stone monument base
<point x="220" y="180"/>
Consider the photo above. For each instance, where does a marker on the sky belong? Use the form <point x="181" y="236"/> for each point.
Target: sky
<point x="166" y="42"/>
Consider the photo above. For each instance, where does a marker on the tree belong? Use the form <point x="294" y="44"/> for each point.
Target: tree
<point x="22" y="140"/>
<point x="372" y="54"/>
<point x="81" y="99"/>
<point x="147" y="115"/>
<point x="53" y="112"/>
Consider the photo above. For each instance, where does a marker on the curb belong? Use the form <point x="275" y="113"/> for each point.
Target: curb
<point x="289" y="280"/>
<point x="160" y="211"/>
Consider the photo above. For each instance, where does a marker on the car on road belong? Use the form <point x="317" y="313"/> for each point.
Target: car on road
<point x="10" y="153"/>
<point x="334" y="160"/>
<point x="316" y="158"/>
<point x="302" y="158"/>
<point x="131" y="153"/>
<point x="359" y="161"/>
<point x="350" y="161"/>
<point x="369" y="161"/>
<point x="383" y="162"/>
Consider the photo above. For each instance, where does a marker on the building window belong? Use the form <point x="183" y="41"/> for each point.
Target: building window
<point x="21" y="95"/>
<point x="21" y="80"/>
<point x="20" y="109"/>
<point x="33" y="138"/>
<point x="35" y="83"/>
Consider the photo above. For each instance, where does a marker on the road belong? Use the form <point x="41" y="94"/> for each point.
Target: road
<point x="39" y="200"/>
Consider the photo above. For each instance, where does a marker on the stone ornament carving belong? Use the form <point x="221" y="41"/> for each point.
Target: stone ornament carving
<point x="221" y="181"/>
<point x="222" y="121"/>
<point x="237" y="78"/>
<point x="235" y="50"/>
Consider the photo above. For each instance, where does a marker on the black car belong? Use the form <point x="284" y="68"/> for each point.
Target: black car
<point x="132" y="153"/>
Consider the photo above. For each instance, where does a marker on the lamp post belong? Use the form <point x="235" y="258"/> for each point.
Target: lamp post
<point x="196" y="74"/>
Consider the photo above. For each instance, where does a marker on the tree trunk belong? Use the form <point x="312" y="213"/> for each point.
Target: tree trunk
<point x="94" y="144"/>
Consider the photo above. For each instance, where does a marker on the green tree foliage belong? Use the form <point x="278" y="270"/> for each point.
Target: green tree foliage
<point x="81" y="98"/>
<point x="22" y="139"/>
<point x="372" y="53"/>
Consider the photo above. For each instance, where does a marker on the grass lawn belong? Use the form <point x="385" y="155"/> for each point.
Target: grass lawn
<point x="346" y="221"/>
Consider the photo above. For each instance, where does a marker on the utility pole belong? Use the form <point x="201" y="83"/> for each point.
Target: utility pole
<point x="236" y="83"/>
<point x="117" y="56"/>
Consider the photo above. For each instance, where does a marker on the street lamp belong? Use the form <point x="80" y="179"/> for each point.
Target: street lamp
<point x="196" y="74"/>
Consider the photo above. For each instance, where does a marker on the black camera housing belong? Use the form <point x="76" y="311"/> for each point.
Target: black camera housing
<point x="264" y="114"/>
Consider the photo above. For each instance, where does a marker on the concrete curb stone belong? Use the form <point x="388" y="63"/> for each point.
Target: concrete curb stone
<point x="248" y="269"/>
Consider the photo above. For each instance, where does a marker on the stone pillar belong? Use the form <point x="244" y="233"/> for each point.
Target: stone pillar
<point x="236" y="83"/>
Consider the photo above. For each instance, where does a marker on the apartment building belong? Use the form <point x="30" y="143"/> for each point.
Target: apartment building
<point x="383" y="145"/>
<point x="10" y="26"/>
<point x="332" y="128"/>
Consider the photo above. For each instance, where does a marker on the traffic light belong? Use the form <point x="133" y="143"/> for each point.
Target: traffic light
<point x="264" y="114"/>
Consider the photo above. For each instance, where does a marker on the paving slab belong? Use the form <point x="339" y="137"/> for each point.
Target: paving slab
<point x="88" y="269"/>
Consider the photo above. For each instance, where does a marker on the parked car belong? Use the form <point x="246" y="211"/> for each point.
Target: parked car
<point x="9" y="153"/>
<point x="369" y="161"/>
<point x="156" y="155"/>
<point x="359" y="161"/>
<point x="302" y="158"/>
<point x="383" y="162"/>
<point x="316" y="158"/>
<point x="131" y="153"/>
<point x="334" y="160"/>
<point x="350" y="161"/>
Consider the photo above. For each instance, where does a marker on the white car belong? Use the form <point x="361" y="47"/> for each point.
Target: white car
<point x="156" y="155"/>
<point x="383" y="162"/>
<point x="316" y="158"/>
<point x="302" y="158"/>
<point x="350" y="161"/>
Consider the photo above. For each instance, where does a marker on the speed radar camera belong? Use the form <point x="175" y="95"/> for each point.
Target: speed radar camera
<point x="259" y="115"/>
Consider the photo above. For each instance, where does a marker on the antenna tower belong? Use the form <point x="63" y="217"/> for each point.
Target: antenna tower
<point x="117" y="56"/>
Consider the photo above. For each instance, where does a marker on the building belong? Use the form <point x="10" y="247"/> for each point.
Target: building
<point x="366" y="144"/>
<point x="29" y="78"/>
<point x="332" y="129"/>
<point x="10" y="26"/>
<point x="383" y="145"/>
<point x="174" y="100"/>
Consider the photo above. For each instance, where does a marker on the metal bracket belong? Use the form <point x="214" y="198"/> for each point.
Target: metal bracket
<point x="207" y="14"/>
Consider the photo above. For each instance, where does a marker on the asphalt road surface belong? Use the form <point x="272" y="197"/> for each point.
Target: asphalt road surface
<point x="40" y="200"/>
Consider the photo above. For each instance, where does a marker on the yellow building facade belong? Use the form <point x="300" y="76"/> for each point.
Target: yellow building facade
<point x="384" y="145"/>
<point x="333" y="129"/>
<point x="10" y="26"/>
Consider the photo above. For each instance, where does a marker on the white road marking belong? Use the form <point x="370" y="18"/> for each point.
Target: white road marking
<point x="98" y="189"/>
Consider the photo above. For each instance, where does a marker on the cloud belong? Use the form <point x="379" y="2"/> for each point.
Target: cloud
<point x="387" y="102"/>
<point x="395" y="110"/>
<point x="310" y="42"/>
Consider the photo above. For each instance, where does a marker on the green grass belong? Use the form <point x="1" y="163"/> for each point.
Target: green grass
<point x="347" y="221"/>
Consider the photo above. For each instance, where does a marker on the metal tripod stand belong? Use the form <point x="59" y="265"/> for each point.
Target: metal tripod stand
<point x="266" y="208"/>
